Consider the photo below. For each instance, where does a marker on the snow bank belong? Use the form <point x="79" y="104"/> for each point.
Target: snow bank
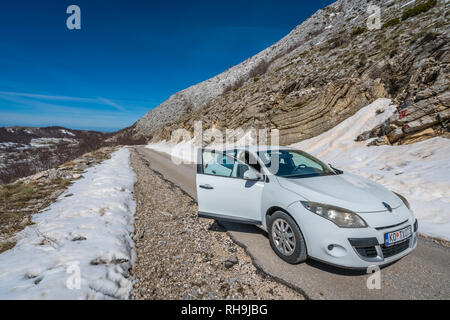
<point x="81" y="246"/>
<point x="187" y="151"/>
<point x="184" y="152"/>
<point x="419" y="171"/>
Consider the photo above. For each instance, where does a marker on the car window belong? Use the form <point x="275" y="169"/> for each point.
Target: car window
<point x="239" y="170"/>
<point x="250" y="160"/>
<point x="218" y="164"/>
<point x="294" y="163"/>
<point x="301" y="160"/>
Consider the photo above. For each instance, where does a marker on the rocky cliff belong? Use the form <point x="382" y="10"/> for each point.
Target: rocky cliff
<point x="324" y="71"/>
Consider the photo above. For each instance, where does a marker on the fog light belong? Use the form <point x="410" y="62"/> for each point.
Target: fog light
<point x="334" y="250"/>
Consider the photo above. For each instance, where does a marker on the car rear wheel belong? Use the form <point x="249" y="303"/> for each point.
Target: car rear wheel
<point x="286" y="239"/>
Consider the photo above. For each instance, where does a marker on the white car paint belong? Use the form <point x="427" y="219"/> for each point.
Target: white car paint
<point x="241" y="200"/>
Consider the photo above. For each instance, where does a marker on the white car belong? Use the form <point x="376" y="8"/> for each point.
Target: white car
<point x="308" y="208"/>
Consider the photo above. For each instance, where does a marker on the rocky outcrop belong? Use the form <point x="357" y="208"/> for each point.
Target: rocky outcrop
<point x="324" y="71"/>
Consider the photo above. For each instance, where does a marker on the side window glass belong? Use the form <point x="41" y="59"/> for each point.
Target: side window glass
<point x="218" y="164"/>
<point x="239" y="170"/>
<point x="299" y="160"/>
<point x="250" y="160"/>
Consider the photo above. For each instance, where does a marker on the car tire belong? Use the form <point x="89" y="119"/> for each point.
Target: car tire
<point x="282" y="242"/>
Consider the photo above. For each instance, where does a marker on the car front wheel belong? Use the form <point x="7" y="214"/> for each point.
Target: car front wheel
<point x="286" y="239"/>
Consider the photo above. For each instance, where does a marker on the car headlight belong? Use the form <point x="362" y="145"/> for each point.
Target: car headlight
<point x="341" y="217"/>
<point x="403" y="199"/>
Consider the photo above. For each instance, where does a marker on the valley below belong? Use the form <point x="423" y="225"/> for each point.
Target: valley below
<point x="26" y="150"/>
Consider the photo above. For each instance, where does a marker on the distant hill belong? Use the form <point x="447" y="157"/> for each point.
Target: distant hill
<point x="27" y="150"/>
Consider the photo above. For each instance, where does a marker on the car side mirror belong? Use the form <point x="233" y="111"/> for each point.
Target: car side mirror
<point x="338" y="171"/>
<point x="253" y="175"/>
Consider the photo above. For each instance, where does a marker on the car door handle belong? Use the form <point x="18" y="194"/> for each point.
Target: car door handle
<point x="206" y="186"/>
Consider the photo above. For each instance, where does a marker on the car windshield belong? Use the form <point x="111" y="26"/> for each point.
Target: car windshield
<point x="294" y="164"/>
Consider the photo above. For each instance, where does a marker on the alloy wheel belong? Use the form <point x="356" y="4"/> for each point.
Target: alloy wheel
<point x="283" y="237"/>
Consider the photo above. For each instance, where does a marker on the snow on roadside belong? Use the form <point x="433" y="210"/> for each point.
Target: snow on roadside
<point x="419" y="171"/>
<point x="85" y="235"/>
<point x="184" y="151"/>
<point x="187" y="151"/>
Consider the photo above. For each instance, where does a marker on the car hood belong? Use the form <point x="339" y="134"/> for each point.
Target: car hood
<point x="346" y="190"/>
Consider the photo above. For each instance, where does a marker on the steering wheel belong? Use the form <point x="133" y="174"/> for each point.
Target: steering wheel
<point x="301" y="166"/>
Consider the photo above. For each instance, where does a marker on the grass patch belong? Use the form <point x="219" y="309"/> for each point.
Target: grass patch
<point x="62" y="183"/>
<point x="358" y="31"/>
<point x="430" y="36"/>
<point x="69" y="164"/>
<point x="5" y="246"/>
<point x="18" y="201"/>
<point x="420" y="8"/>
<point x="391" y="23"/>
<point x="16" y="194"/>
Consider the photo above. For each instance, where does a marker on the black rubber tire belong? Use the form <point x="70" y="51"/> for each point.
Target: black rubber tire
<point x="300" y="253"/>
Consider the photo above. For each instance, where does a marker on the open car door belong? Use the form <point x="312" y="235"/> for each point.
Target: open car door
<point x="228" y="189"/>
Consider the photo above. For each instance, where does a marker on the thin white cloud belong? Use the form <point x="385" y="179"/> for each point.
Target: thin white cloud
<point x="110" y="103"/>
<point x="94" y="120"/>
<point x="99" y="100"/>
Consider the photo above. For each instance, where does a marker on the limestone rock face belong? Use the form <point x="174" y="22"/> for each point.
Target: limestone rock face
<point x="321" y="73"/>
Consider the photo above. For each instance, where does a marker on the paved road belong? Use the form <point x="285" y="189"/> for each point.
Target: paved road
<point x="424" y="274"/>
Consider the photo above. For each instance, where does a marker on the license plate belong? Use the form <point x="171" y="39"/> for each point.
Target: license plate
<point x="397" y="236"/>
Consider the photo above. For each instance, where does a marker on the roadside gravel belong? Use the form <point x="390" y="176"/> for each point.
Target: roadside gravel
<point x="180" y="256"/>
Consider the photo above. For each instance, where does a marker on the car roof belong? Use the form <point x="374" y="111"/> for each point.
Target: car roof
<point x="259" y="148"/>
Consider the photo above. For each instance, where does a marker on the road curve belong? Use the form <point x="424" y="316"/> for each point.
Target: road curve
<point x="424" y="274"/>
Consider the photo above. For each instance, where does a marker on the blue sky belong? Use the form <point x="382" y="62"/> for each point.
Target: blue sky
<point x="128" y="57"/>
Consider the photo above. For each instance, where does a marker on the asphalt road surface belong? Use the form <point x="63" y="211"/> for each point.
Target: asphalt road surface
<point x="423" y="274"/>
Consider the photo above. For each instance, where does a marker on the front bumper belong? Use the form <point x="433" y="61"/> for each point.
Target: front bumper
<point x="357" y="248"/>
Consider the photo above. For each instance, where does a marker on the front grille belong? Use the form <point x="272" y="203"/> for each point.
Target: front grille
<point x="392" y="226"/>
<point x="368" y="252"/>
<point x="365" y="246"/>
<point x="395" y="249"/>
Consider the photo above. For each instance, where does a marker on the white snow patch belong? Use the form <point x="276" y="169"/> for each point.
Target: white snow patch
<point x="7" y="144"/>
<point x="419" y="171"/>
<point x="47" y="142"/>
<point x="407" y="4"/>
<point x="94" y="224"/>
<point x="67" y="132"/>
<point x="187" y="151"/>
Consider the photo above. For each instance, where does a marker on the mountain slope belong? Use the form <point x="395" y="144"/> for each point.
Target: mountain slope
<point x="324" y="71"/>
